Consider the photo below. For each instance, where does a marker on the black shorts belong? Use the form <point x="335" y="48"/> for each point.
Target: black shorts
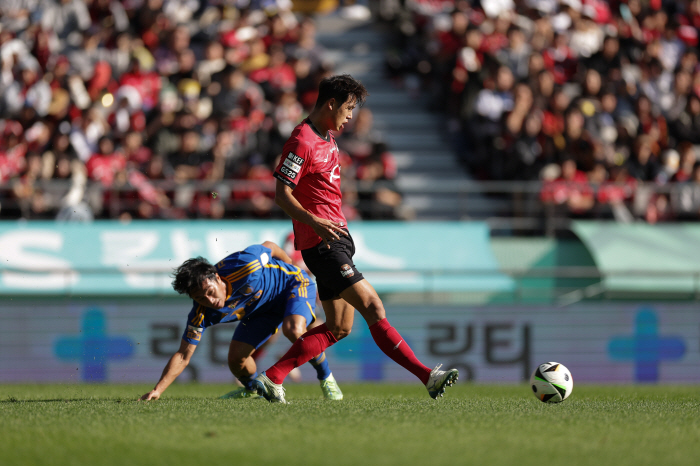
<point x="333" y="268"/>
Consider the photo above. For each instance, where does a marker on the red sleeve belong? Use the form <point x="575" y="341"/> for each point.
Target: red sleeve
<point x="294" y="163"/>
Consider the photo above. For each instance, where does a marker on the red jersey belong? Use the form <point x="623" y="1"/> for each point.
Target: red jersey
<point x="311" y="167"/>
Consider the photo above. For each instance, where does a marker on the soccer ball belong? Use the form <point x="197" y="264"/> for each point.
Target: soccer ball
<point x="551" y="382"/>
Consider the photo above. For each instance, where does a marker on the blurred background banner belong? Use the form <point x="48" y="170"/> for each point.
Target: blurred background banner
<point x="630" y="250"/>
<point x="92" y="340"/>
<point x="93" y="302"/>
<point x="137" y="258"/>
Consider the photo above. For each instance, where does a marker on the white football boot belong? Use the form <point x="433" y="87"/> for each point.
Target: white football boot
<point x="272" y="392"/>
<point x="439" y="380"/>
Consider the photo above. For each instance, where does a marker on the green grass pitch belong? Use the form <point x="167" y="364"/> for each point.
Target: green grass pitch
<point x="378" y="424"/>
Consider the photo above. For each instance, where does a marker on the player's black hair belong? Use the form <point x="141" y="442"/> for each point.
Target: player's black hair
<point x="191" y="274"/>
<point x="340" y="88"/>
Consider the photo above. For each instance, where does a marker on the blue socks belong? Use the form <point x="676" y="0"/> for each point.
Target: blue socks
<point x="321" y="365"/>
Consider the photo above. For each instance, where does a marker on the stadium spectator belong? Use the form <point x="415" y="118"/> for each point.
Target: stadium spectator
<point x="686" y="162"/>
<point x="571" y="190"/>
<point x="614" y="84"/>
<point x="642" y="163"/>
<point x="379" y="197"/>
<point x="107" y="165"/>
<point x="112" y="68"/>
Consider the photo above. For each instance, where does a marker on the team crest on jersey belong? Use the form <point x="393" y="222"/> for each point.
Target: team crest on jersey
<point x="292" y="165"/>
<point x="332" y="175"/>
<point x="194" y="333"/>
<point x="346" y="271"/>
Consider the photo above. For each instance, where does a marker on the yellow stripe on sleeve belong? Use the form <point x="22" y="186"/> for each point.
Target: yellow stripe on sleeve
<point x="199" y="318"/>
<point x="302" y="289"/>
<point x="242" y="272"/>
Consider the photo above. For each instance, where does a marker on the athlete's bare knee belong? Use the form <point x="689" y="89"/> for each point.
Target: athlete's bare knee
<point x="340" y="332"/>
<point x="374" y="307"/>
<point x="293" y="332"/>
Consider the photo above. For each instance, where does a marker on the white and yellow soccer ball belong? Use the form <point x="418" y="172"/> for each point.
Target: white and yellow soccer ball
<point x="551" y="382"/>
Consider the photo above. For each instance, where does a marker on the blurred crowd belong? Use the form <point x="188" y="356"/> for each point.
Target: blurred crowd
<point x="598" y="100"/>
<point x="165" y="109"/>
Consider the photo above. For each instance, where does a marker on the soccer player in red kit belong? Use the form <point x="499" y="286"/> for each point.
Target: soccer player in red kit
<point x="308" y="190"/>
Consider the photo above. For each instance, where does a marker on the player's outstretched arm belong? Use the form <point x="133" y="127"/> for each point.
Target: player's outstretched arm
<point x="326" y="229"/>
<point x="173" y="368"/>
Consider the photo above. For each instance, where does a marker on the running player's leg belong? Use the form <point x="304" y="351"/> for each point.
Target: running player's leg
<point x="240" y="359"/>
<point x="363" y="297"/>
<point x="339" y="315"/>
<point x="294" y="326"/>
<point x="299" y="317"/>
<point x="334" y="272"/>
<point x="247" y="338"/>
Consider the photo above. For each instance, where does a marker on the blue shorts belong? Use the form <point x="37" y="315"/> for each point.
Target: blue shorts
<point x="259" y="328"/>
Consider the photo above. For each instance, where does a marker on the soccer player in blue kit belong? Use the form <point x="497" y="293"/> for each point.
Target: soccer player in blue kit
<point x="260" y="288"/>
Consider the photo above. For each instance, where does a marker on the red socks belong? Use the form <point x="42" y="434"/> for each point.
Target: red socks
<point x="315" y="342"/>
<point x="393" y="345"/>
<point x="307" y="347"/>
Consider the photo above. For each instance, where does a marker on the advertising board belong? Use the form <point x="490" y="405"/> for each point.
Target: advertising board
<point x="102" y="341"/>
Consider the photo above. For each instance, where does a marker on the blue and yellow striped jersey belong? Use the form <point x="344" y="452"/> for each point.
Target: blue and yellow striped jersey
<point x="256" y="282"/>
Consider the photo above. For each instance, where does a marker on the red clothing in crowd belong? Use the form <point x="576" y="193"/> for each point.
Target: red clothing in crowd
<point x="147" y="83"/>
<point x="103" y="167"/>
<point x="562" y="190"/>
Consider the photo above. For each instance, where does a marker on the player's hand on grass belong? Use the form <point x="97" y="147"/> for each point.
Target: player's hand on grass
<point x="152" y="395"/>
<point x="328" y="230"/>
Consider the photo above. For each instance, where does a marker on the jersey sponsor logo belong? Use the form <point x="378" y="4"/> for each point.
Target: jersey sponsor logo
<point x="292" y="166"/>
<point x="284" y="180"/>
<point x="333" y="149"/>
<point x="332" y="175"/>
<point x="292" y="157"/>
<point x="346" y="271"/>
<point x="194" y="333"/>
<point x="287" y="172"/>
